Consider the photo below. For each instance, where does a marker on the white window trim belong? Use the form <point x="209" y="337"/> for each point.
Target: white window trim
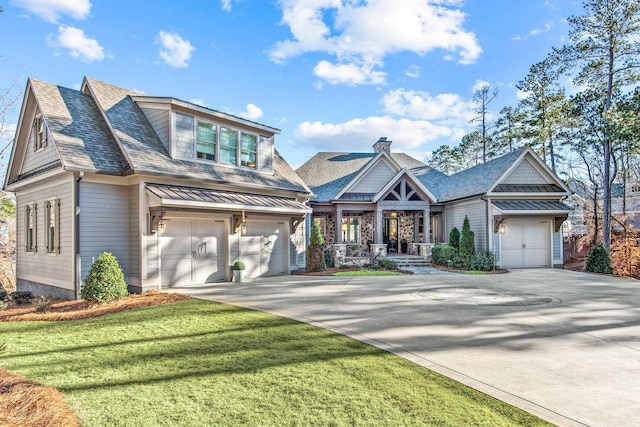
<point x="52" y="206"/>
<point x="33" y="248"/>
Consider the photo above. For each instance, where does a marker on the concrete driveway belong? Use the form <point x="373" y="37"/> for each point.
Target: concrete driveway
<point x="560" y="344"/>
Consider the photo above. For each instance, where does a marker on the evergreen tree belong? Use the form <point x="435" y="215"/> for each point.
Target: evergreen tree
<point x="315" y="250"/>
<point x="467" y="243"/>
<point x="454" y="238"/>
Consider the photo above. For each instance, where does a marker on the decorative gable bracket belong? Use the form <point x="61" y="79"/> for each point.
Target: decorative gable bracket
<point x="497" y="220"/>
<point x="295" y="222"/>
<point x="156" y="217"/>
<point x="557" y="222"/>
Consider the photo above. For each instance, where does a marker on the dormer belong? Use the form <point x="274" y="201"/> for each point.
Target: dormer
<point x="199" y="134"/>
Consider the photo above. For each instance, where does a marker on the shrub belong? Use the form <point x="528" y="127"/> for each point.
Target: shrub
<point x="42" y="303"/>
<point x="238" y="265"/>
<point x="3" y="305"/>
<point x="105" y="281"/>
<point x="315" y="250"/>
<point x="21" y="297"/>
<point x="387" y="263"/>
<point x="328" y="258"/>
<point x="3" y="293"/>
<point x="483" y="261"/>
<point x="454" y="238"/>
<point x="467" y="243"/>
<point x="443" y="254"/>
<point x="598" y="261"/>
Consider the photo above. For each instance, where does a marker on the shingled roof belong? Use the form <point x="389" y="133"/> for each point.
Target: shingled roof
<point x="327" y="173"/>
<point x="147" y="155"/>
<point x="81" y="135"/>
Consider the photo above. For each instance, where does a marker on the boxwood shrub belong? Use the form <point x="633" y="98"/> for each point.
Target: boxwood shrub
<point x="443" y="254"/>
<point x="105" y="281"/>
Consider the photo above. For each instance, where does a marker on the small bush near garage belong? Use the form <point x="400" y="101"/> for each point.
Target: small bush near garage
<point x="599" y="261"/>
<point x="443" y="254"/>
<point x="21" y="297"/>
<point x="467" y="238"/>
<point x="105" y="281"/>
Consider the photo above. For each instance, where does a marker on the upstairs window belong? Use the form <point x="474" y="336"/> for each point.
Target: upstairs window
<point x="248" y="149"/>
<point x="52" y="229"/>
<point x="40" y="134"/>
<point x="30" y="228"/>
<point x="228" y="146"/>
<point x="206" y="141"/>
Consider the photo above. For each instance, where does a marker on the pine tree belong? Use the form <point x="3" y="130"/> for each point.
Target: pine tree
<point x="454" y="238"/>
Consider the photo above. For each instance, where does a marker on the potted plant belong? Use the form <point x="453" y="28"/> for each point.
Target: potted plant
<point x="238" y="271"/>
<point x="403" y="245"/>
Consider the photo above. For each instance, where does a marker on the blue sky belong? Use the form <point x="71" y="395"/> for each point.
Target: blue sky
<point x="333" y="75"/>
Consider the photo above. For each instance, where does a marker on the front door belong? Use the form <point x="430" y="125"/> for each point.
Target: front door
<point x="390" y="234"/>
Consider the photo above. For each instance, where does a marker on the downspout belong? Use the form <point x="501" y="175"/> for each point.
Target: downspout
<point x="77" y="265"/>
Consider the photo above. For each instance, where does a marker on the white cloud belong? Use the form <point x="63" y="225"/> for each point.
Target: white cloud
<point x="51" y="10"/>
<point x="413" y="71"/>
<point x="444" y="109"/>
<point x="359" y="33"/>
<point x="479" y="84"/>
<point x="78" y="45"/>
<point x="547" y="27"/>
<point x="360" y="134"/>
<point x="251" y="112"/>
<point x="350" y="74"/>
<point x="226" y="5"/>
<point x="175" y="51"/>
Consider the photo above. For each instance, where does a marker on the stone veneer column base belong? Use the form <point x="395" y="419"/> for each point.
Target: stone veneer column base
<point x="339" y="254"/>
<point x="379" y="249"/>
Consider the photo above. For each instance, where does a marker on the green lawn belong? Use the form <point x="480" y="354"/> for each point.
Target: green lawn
<point x="368" y="273"/>
<point x="198" y="363"/>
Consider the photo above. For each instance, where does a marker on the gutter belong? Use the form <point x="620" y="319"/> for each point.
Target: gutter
<point x="77" y="265"/>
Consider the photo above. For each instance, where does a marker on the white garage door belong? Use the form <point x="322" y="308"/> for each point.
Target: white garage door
<point x="263" y="248"/>
<point x="192" y="252"/>
<point x="526" y="244"/>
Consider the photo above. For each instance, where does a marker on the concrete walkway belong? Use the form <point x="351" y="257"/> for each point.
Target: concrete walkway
<point x="560" y="344"/>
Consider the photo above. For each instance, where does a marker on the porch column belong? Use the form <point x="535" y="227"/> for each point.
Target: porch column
<point x="427" y="226"/>
<point x="416" y="227"/>
<point x="378" y="214"/>
<point x="338" y="225"/>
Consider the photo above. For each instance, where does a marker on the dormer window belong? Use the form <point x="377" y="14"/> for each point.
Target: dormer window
<point x="228" y="146"/>
<point x="40" y="134"/>
<point x="248" y="149"/>
<point x="206" y="141"/>
<point x="199" y="139"/>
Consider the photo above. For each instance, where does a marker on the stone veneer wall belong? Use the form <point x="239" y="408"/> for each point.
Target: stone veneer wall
<point x="367" y="226"/>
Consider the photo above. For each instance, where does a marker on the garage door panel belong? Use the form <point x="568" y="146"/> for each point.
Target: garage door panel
<point x="525" y="244"/>
<point x="262" y="249"/>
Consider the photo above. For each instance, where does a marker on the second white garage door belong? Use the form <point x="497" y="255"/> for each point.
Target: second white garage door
<point x="192" y="252"/>
<point x="526" y="244"/>
<point x="263" y="248"/>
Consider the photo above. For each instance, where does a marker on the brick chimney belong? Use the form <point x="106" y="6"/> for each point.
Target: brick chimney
<point x="382" y="144"/>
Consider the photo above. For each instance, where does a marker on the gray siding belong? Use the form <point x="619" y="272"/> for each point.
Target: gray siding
<point x="42" y="267"/>
<point x="134" y="234"/>
<point x="34" y="160"/>
<point x="524" y="173"/>
<point x="374" y="180"/>
<point x="104" y="224"/>
<point x="557" y="245"/>
<point x="161" y="122"/>
<point x="184" y="136"/>
<point x="151" y="247"/>
<point x="476" y="212"/>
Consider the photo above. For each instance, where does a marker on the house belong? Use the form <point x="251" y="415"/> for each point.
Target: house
<point x="378" y="199"/>
<point x="177" y="192"/>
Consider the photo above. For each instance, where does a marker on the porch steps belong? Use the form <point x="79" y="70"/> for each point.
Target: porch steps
<point x="405" y="260"/>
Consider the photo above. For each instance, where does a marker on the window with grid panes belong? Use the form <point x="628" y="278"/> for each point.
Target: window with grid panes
<point x="248" y="148"/>
<point x="228" y="146"/>
<point x="206" y="141"/>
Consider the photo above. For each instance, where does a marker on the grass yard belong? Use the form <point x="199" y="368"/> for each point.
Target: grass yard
<point x="368" y="273"/>
<point x="198" y="363"/>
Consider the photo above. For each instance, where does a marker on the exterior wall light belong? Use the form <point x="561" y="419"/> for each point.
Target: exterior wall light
<point x="161" y="228"/>
<point x="243" y="229"/>
<point x="502" y="229"/>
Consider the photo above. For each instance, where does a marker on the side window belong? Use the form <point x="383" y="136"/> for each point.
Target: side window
<point x="40" y="133"/>
<point x="248" y="148"/>
<point x="52" y="227"/>
<point x="30" y="228"/>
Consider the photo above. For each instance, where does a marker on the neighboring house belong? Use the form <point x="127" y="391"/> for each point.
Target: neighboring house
<point x="177" y="192"/>
<point x="514" y="204"/>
